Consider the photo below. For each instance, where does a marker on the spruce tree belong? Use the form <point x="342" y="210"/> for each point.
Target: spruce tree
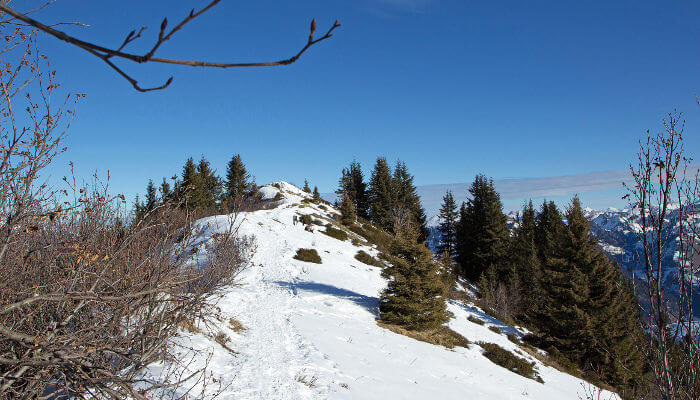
<point x="166" y="193"/>
<point x="139" y="208"/>
<point x="381" y="196"/>
<point x="548" y="226"/>
<point x="306" y="188"/>
<point x="483" y="236"/>
<point x="407" y="198"/>
<point x="239" y="183"/>
<point x="526" y="263"/>
<point x="414" y="297"/>
<point x="317" y="195"/>
<point x="360" y="189"/>
<point x="345" y="186"/>
<point x="448" y="226"/>
<point x="347" y="211"/>
<point x="151" y="197"/>
<point x="589" y="311"/>
<point x="207" y="186"/>
<point x="189" y="178"/>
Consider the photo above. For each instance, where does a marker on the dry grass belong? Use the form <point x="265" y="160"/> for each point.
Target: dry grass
<point x="442" y="336"/>
<point x="236" y="325"/>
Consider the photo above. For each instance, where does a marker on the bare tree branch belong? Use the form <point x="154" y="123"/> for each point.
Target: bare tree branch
<point x="105" y="53"/>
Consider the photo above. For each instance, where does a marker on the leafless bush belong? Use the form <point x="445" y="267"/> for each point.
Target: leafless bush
<point x="664" y="195"/>
<point x="87" y="299"/>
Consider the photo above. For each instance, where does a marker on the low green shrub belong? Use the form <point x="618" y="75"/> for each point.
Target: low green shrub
<point x="494" y="329"/>
<point x="278" y="197"/>
<point x="335" y="233"/>
<point x="322" y="207"/>
<point x="500" y="356"/>
<point x="363" y="257"/>
<point x="308" y="255"/>
<point x="317" y="222"/>
<point x="305" y="219"/>
<point x="357" y="229"/>
<point x="513" y="338"/>
<point x="475" y="320"/>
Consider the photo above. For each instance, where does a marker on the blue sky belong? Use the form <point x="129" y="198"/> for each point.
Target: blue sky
<point x="510" y="89"/>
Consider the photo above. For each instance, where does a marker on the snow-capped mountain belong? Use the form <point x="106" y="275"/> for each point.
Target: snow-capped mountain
<point x="300" y="330"/>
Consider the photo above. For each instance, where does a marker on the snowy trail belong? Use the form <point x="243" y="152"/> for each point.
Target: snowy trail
<point x="310" y="329"/>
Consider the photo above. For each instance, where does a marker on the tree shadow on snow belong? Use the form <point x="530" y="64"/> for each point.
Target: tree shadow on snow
<point x="369" y="303"/>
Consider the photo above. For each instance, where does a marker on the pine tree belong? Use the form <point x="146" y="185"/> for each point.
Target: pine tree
<point x="139" y="208"/>
<point x="407" y="198"/>
<point x="448" y="225"/>
<point x="525" y="261"/>
<point x="207" y="186"/>
<point x="316" y="195"/>
<point x="590" y="311"/>
<point x="347" y="211"/>
<point x="548" y="226"/>
<point x="307" y="189"/>
<point x="239" y="183"/>
<point x="189" y="178"/>
<point x="360" y="188"/>
<point x="381" y="196"/>
<point x="166" y="193"/>
<point x="414" y="297"/>
<point x="345" y="186"/>
<point x="483" y="236"/>
<point x="151" y="198"/>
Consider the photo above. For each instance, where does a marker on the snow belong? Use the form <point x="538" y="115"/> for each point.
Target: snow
<point x="311" y="331"/>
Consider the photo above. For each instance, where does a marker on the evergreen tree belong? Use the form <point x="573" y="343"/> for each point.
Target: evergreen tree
<point x="307" y="189"/>
<point x="345" y="186"/>
<point x="414" y="297"/>
<point x="590" y="311"/>
<point x="139" y="208"/>
<point x="352" y="183"/>
<point x="347" y="211"/>
<point x="189" y="178"/>
<point x="381" y="196"/>
<point x="166" y="193"/>
<point x="207" y="186"/>
<point x="151" y="198"/>
<point x="360" y="189"/>
<point x="407" y="198"/>
<point x="239" y="183"/>
<point x="548" y="226"/>
<point x="448" y="225"/>
<point x="317" y="195"/>
<point x="483" y="236"/>
<point x="525" y="261"/>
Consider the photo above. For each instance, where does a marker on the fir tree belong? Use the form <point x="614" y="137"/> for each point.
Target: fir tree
<point x="207" y="186"/>
<point x="407" y="198"/>
<point x="381" y="196"/>
<point x="239" y="183"/>
<point x="151" y="197"/>
<point x="139" y="208"/>
<point x="548" y="226"/>
<point x="448" y="225"/>
<point x="306" y="188"/>
<point x="189" y="178"/>
<point x="316" y="195"/>
<point x="345" y="186"/>
<point x="483" y="236"/>
<point x="347" y="211"/>
<point x="525" y="261"/>
<point x="166" y="193"/>
<point x="590" y="311"/>
<point x="360" y="189"/>
<point x="414" y="297"/>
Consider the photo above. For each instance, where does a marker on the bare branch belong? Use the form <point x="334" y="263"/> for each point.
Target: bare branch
<point x="105" y="53"/>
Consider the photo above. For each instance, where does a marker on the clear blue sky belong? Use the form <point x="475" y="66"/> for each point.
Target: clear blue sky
<point x="511" y="89"/>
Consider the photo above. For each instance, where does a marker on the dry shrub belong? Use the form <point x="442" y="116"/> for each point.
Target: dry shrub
<point x="88" y="299"/>
<point x="441" y="336"/>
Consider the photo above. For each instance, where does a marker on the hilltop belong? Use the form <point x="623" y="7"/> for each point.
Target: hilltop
<point x="298" y="330"/>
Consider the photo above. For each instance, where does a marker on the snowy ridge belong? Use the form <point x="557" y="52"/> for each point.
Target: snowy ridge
<point x="311" y="332"/>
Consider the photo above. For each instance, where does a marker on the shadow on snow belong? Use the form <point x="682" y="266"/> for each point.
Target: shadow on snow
<point x="369" y="303"/>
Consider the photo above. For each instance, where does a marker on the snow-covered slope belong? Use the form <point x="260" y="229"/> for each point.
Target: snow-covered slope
<point x="310" y="330"/>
